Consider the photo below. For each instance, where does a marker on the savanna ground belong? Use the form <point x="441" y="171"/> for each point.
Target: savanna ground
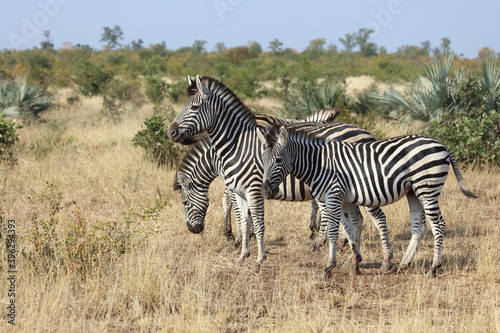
<point x="175" y="281"/>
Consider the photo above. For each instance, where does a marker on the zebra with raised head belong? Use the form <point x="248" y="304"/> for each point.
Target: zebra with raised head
<point x="366" y="174"/>
<point x="232" y="129"/>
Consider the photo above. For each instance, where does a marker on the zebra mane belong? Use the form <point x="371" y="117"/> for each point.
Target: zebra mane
<point x="297" y="132"/>
<point x="222" y="91"/>
<point x="193" y="154"/>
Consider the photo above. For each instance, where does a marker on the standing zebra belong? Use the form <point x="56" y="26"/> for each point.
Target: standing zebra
<point x="365" y="174"/>
<point x="322" y="116"/>
<point x="232" y="129"/>
<point x="200" y="167"/>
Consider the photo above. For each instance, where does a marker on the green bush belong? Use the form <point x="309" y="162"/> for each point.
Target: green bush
<point x="471" y="129"/>
<point x="91" y="78"/>
<point x="154" y="140"/>
<point x="155" y="89"/>
<point x="8" y="137"/>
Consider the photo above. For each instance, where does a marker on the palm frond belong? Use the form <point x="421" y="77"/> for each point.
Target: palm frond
<point x="24" y="99"/>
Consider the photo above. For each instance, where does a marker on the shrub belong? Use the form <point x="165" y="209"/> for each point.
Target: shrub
<point x="23" y="99"/>
<point x="154" y="140"/>
<point x="8" y="137"/>
<point x="471" y="129"/>
<point x="155" y="89"/>
<point x="91" y="78"/>
<point x="80" y="246"/>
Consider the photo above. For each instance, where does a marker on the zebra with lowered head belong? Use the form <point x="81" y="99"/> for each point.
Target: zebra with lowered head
<point x="233" y="129"/>
<point x="200" y="167"/>
<point x="366" y="174"/>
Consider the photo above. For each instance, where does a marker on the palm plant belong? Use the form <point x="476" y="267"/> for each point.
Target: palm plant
<point x="313" y="97"/>
<point x="427" y="97"/>
<point x="490" y="83"/>
<point x="23" y="100"/>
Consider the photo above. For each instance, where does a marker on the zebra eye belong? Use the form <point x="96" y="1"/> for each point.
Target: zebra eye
<point x="195" y="107"/>
<point x="279" y="160"/>
<point x="185" y="202"/>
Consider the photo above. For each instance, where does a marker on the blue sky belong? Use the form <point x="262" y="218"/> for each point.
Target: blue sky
<point x="469" y="25"/>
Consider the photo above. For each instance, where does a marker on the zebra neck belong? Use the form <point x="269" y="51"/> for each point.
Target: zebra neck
<point x="312" y="163"/>
<point x="205" y="169"/>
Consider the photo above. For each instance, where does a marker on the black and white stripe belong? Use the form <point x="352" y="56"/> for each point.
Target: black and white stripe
<point x="233" y="131"/>
<point x="367" y="174"/>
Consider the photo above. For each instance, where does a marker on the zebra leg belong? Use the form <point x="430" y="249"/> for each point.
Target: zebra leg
<point x="323" y="226"/>
<point x="227" y="203"/>
<point x="314" y="222"/>
<point x="436" y="221"/>
<point x="378" y="217"/>
<point x="240" y="219"/>
<point x="256" y="208"/>
<point x="353" y="214"/>
<point x="245" y="227"/>
<point x="334" y="210"/>
<point x="417" y="228"/>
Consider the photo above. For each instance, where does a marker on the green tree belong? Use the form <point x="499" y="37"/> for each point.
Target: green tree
<point x="316" y="48"/>
<point x="426" y="47"/>
<point x="445" y="45"/>
<point x="137" y="45"/>
<point x="254" y="48"/>
<point x="47" y="43"/>
<point x="220" y="47"/>
<point x="275" y="46"/>
<point x="349" y="41"/>
<point x="366" y="48"/>
<point x="112" y="36"/>
<point x="198" y="47"/>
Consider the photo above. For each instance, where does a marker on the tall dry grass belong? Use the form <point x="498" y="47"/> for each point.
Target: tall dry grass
<point x="181" y="282"/>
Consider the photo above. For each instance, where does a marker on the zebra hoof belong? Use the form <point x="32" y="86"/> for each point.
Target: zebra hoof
<point x="317" y="245"/>
<point x="328" y="271"/>
<point x="385" y="268"/>
<point x="430" y="275"/>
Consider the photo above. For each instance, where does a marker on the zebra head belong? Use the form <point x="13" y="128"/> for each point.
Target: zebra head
<point x="194" y="116"/>
<point x="277" y="160"/>
<point x="194" y="200"/>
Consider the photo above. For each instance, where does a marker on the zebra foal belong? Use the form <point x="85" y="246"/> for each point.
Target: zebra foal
<point x="369" y="174"/>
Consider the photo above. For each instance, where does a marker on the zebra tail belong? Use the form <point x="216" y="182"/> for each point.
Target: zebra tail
<point x="461" y="182"/>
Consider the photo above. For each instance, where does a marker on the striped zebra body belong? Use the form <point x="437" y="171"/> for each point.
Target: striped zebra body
<point x="233" y="129"/>
<point x="367" y="174"/>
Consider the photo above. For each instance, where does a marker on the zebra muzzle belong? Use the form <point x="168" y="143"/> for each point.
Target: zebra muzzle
<point x="195" y="229"/>
<point x="267" y="190"/>
<point x="173" y="132"/>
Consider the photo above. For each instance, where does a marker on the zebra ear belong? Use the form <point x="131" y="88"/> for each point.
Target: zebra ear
<point x="189" y="81"/>
<point x="261" y="136"/>
<point x="201" y="87"/>
<point x="182" y="179"/>
<point x="283" y="135"/>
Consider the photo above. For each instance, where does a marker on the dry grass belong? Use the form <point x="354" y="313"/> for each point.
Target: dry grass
<point x="180" y="282"/>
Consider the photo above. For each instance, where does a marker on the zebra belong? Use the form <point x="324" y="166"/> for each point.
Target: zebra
<point x="325" y="115"/>
<point x="198" y="169"/>
<point x="232" y="129"/>
<point x="365" y="174"/>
